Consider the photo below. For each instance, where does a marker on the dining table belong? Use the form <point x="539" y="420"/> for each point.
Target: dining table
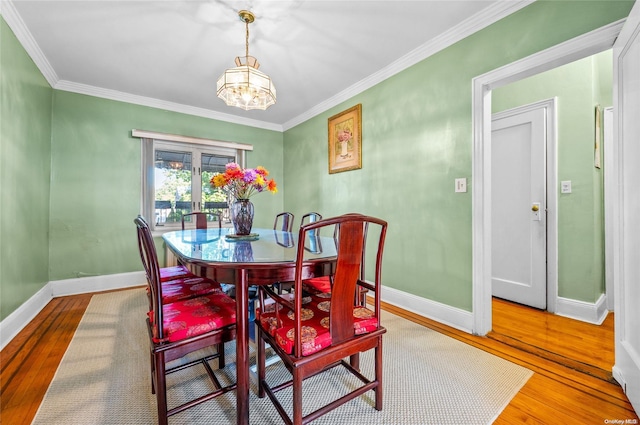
<point x="264" y="257"/>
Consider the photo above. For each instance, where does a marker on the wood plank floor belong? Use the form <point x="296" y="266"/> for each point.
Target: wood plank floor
<point x="571" y="361"/>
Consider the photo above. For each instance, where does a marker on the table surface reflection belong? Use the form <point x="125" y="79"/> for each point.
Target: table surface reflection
<point x="272" y="246"/>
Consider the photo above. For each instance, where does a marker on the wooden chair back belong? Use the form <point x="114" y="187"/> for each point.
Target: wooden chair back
<point x="149" y="258"/>
<point x="286" y="219"/>
<point x="310" y="217"/>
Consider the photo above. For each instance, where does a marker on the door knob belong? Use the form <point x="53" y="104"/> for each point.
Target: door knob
<point x="535" y="207"/>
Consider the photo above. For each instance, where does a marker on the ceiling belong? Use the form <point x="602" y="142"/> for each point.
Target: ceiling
<point x="169" y="53"/>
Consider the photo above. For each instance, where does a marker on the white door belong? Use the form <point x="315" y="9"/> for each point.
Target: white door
<point x="518" y="192"/>
<point x="626" y="67"/>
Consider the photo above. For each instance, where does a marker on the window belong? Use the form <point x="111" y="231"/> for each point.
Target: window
<point x="176" y="175"/>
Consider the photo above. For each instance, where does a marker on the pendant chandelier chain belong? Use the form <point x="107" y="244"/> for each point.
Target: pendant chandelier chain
<point x="246" y="23"/>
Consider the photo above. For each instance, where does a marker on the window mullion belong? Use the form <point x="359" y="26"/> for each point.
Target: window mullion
<point x="196" y="180"/>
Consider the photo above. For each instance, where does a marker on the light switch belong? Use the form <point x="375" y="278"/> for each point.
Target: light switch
<point x="565" y="186"/>
<point x="461" y="185"/>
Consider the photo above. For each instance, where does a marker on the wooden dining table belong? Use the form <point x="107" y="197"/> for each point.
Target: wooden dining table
<point x="269" y="258"/>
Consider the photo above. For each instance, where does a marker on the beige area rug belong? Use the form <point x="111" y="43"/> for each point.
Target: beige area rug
<point x="429" y="378"/>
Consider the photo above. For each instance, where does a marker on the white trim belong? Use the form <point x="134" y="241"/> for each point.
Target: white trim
<point x="161" y="104"/>
<point x="20" y="317"/>
<point x="609" y="199"/>
<point x="475" y="23"/>
<point x="22" y="33"/>
<point x="551" y="150"/>
<point x="482" y="19"/>
<point x="443" y="313"/>
<point x="587" y="312"/>
<point x="24" y="314"/>
<point x="627" y="358"/>
<point x="143" y="134"/>
<point x="16" y="321"/>
<point x="83" y="285"/>
<point x="577" y="48"/>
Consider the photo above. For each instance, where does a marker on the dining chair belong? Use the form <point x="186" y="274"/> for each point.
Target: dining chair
<point x="284" y="222"/>
<point x="183" y="327"/>
<point x="311" y="217"/>
<point x="312" y="334"/>
<point x="202" y="219"/>
<point x="178" y="283"/>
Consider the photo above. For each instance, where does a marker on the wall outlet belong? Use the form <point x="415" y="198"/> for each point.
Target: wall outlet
<point x="461" y="185"/>
<point x="565" y="186"/>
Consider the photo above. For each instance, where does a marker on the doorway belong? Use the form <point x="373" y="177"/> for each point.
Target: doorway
<point x="572" y="50"/>
<point x="523" y="169"/>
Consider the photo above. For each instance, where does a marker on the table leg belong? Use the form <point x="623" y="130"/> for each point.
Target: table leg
<point x="242" y="347"/>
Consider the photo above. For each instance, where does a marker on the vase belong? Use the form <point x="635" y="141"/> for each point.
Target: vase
<point x="242" y="216"/>
<point x="242" y="252"/>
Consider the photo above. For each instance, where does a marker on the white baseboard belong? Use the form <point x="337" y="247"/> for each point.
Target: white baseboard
<point x="587" y="312"/>
<point x="21" y="317"/>
<point x="83" y="285"/>
<point x="619" y="376"/>
<point x="451" y="316"/>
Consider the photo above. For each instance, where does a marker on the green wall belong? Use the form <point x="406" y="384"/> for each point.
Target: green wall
<point x="417" y="138"/>
<point x="95" y="183"/>
<point x="70" y="177"/>
<point x="25" y="165"/>
<point x="70" y="171"/>
<point x="579" y="87"/>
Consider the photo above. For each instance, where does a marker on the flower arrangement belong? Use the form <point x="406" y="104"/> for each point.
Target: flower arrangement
<point x="242" y="184"/>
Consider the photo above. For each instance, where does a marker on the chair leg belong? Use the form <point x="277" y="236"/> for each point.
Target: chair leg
<point x="297" y="398"/>
<point x="261" y="361"/>
<point x="378" y="374"/>
<point x="161" y="389"/>
<point x="354" y="360"/>
<point x="153" y="372"/>
<point x="221" y="361"/>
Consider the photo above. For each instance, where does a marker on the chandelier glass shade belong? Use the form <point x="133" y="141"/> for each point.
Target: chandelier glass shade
<point x="244" y="86"/>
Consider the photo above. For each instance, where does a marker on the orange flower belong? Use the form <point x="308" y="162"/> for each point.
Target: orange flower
<point x="271" y="186"/>
<point x="241" y="184"/>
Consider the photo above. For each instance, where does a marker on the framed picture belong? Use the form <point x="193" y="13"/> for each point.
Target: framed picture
<point x="345" y="140"/>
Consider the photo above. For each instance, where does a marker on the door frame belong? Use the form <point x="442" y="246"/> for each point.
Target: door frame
<point x="551" y="201"/>
<point x="609" y="199"/>
<point x="580" y="47"/>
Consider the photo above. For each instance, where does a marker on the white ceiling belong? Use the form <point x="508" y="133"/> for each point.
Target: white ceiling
<point x="170" y="53"/>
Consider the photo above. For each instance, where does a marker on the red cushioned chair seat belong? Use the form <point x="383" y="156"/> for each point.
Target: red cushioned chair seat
<point x="315" y="324"/>
<point x="195" y="316"/>
<point x="169" y="273"/>
<point x="188" y="287"/>
<point x="317" y="284"/>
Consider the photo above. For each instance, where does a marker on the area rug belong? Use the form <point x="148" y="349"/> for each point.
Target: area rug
<point x="429" y="378"/>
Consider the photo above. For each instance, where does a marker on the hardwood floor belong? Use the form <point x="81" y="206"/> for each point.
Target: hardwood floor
<point x="571" y="361"/>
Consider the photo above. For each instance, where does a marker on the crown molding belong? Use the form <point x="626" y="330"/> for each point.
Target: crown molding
<point x="22" y="33"/>
<point x="481" y="20"/>
<point x="161" y="104"/>
<point x="475" y="23"/>
<point x="19" y="28"/>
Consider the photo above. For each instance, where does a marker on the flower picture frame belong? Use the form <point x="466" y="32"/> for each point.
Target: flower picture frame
<point x="345" y="140"/>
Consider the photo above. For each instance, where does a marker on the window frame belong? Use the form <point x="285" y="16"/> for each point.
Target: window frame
<point x="151" y="141"/>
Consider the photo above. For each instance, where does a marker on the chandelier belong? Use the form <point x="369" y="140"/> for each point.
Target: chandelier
<point x="244" y="86"/>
